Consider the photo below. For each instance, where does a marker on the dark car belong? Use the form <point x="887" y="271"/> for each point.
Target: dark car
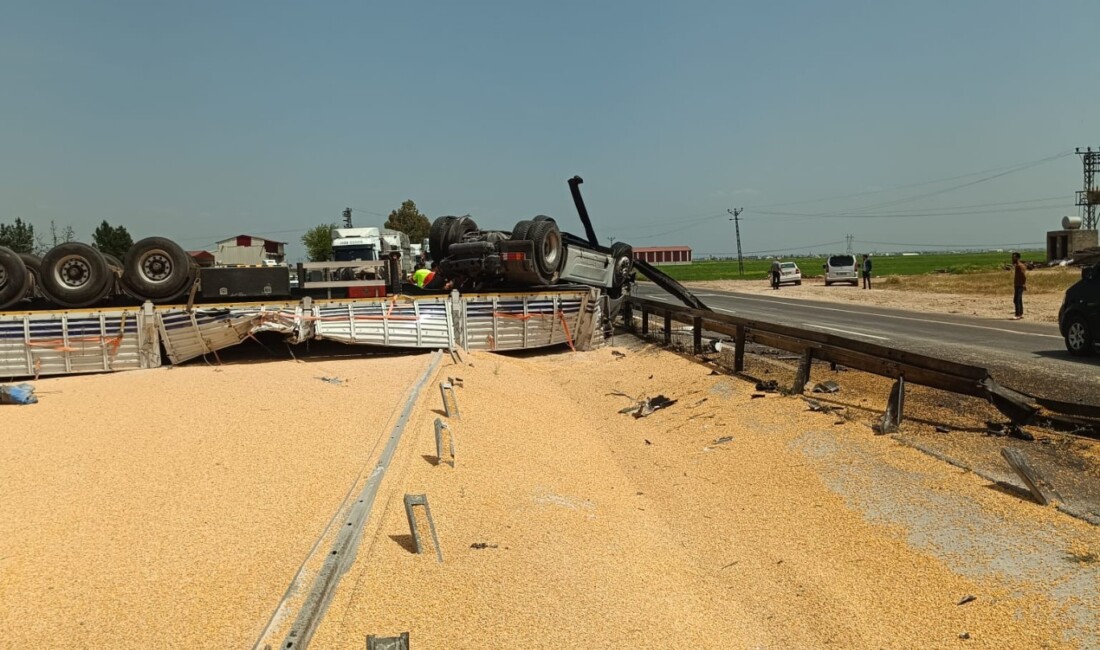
<point x="1079" y="317"/>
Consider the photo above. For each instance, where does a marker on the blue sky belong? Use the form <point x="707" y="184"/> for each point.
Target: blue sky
<point x="201" y="120"/>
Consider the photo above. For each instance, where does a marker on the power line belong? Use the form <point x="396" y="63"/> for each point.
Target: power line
<point x="1013" y="170"/>
<point x="909" y="215"/>
<point x="795" y="248"/>
<point x="958" y="246"/>
<point x="911" y="185"/>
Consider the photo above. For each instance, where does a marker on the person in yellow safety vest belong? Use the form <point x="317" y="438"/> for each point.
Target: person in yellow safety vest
<point x="419" y="275"/>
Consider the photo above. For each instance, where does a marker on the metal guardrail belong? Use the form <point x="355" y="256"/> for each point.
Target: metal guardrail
<point x="900" y="365"/>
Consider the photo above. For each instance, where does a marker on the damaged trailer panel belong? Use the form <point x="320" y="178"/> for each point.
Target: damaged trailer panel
<point x="190" y="334"/>
<point x="517" y="322"/>
<point x="38" y="344"/>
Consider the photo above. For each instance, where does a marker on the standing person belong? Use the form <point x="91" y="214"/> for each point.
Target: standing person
<point x="775" y="273"/>
<point x="1019" y="284"/>
<point x="866" y="271"/>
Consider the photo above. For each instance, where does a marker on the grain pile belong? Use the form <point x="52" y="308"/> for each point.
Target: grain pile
<point x="719" y="522"/>
<point x="170" y="507"/>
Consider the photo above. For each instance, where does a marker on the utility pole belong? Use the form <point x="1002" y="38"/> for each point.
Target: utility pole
<point x="610" y="239"/>
<point x="737" y="229"/>
<point x="1089" y="197"/>
<point x="347" y="218"/>
<point x="849" y="239"/>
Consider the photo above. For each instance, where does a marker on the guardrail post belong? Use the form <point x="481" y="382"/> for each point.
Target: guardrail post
<point x="739" y="351"/>
<point x="645" y="321"/>
<point x="803" y="374"/>
<point x="895" y="407"/>
<point x="668" y="328"/>
<point x="697" y="335"/>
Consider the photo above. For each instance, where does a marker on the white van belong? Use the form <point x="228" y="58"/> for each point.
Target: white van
<point x="841" y="268"/>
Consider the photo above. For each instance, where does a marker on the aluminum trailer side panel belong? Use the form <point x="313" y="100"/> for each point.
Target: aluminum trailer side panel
<point x="74" y="342"/>
<point x="419" y="323"/>
<point x="511" y="322"/>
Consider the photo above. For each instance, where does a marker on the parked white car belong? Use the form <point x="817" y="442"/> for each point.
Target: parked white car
<point x="841" y="268"/>
<point x="789" y="273"/>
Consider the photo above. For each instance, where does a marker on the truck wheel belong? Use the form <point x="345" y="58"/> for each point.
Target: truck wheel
<point x="14" y="277"/>
<point x="34" y="270"/>
<point x="1079" y="339"/>
<point x="458" y="229"/>
<point x="521" y="229"/>
<point x="541" y="217"/>
<point x="156" y="268"/>
<point x="437" y="235"/>
<point x="548" y="248"/>
<point x="623" y="256"/>
<point x="74" y="275"/>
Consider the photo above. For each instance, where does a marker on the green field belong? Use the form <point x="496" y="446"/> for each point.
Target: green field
<point x="883" y="265"/>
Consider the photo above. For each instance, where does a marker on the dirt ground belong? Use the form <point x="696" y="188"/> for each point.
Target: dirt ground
<point x="722" y="521"/>
<point x="986" y="295"/>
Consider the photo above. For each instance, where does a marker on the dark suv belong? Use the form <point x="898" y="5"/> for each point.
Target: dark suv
<point x="1079" y="317"/>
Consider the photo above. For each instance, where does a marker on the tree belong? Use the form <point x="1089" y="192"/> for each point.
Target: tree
<point x="408" y="220"/>
<point x="112" y="240"/>
<point x="18" y="236"/>
<point x="318" y="242"/>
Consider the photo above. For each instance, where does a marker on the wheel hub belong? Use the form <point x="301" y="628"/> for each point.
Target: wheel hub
<point x="74" y="272"/>
<point x="156" y="267"/>
<point x="1076" y="336"/>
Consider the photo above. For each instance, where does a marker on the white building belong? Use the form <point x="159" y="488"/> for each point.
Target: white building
<point x="249" y="250"/>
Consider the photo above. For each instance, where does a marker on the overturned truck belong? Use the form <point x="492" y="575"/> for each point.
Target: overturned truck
<point x="534" y="253"/>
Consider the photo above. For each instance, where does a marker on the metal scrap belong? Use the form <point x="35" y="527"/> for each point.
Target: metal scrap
<point x="769" y="386"/>
<point x="332" y="380"/>
<point x="826" y="387"/>
<point x="649" y="406"/>
<point x="818" y="407"/>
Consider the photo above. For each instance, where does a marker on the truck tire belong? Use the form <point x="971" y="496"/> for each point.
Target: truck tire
<point x="14" y="277"/>
<point x="458" y="229"/>
<point x="74" y="275"/>
<point x="519" y="232"/>
<point x="34" y="271"/>
<point x="156" y="269"/>
<point x="549" y="252"/>
<point x="623" y="259"/>
<point x="436" y="237"/>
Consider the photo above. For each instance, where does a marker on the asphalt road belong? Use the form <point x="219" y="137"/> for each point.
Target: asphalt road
<point x="1030" y="357"/>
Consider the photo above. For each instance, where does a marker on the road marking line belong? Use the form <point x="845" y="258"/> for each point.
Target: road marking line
<point x="919" y="320"/>
<point x="853" y="332"/>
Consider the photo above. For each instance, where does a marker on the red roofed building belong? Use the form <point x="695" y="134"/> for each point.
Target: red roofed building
<point x="664" y="254"/>
<point x="203" y="258"/>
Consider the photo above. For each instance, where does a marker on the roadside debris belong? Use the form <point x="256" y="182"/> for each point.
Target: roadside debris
<point x="718" y="441"/>
<point x="617" y="354"/>
<point x="818" y="407"/>
<point x="455" y="381"/>
<point x="757" y="395"/>
<point x="482" y="545"/>
<point x="648" y="406"/>
<point x="331" y="380"/>
<point x="1007" y="429"/>
<point x="967" y="599"/>
<point x="942" y="429"/>
<point x="18" y="394"/>
<point x="826" y="387"/>
<point x="769" y="386"/>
